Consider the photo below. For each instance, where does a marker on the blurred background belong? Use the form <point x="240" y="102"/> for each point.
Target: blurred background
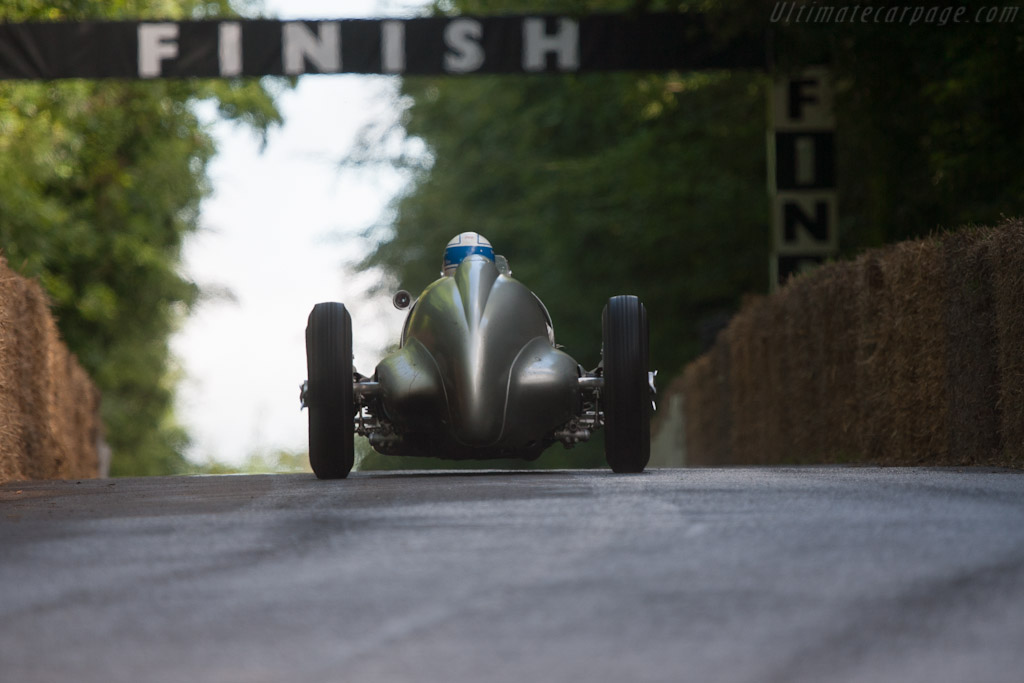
<point x="184" y="229"/>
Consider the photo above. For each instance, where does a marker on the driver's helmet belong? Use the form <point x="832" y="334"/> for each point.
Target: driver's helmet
<point x="461" y="246"/>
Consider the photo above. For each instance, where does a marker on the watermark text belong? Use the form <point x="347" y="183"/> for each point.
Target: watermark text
<point x="909" y="15"/>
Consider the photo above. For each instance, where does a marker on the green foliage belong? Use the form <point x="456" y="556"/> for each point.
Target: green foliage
<point x="258" y="462"/>
<point x="928" y="126"/>
<point x="100" y="182"/>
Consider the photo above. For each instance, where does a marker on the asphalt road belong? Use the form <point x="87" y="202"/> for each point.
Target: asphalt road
<point x="803" y="574"/>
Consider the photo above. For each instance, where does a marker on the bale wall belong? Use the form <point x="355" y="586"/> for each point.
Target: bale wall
<point x="49" y="407"/>
<point x="909" y="355"/>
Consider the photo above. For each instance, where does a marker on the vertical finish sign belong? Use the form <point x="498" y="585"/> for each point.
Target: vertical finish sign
<point x="802" y="174"/>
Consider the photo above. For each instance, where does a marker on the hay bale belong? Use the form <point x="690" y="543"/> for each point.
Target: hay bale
<point x="23" y="389"/>
<point x="34" y="340"/>
<point x="10" y="422"/>
<point x="973" y="360"/>
<point x="722" y="401"/>
<point x="706" y="408"/>
<point x="49" y="418"/>
<point x="793" y="371"/>
<point x="696" y="382"/>
<point x="871" y="416"/>
<point x="799" y="359"/>
<point x="1008" y="284"/>
<point x="64" y="427"/>
<point x="749" y="363"/>
<point x="780" y="379"/>
<point x="910" y="355"/>
<point x="87" y="429"/>
<point x="833" y="318"/>
<point x="805" y="373"/>
<point x="901" y="357"/>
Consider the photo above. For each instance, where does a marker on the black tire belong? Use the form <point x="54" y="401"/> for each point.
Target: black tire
<point x="330" y="398"/>
<point x="626" y="396"/>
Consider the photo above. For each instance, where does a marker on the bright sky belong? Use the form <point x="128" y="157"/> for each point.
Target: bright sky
<point x="278" y="232"/>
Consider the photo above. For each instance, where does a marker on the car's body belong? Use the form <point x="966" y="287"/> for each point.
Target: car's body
<point x="478" y="375"/>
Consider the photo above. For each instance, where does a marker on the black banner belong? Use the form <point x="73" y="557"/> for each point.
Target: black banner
<point x="436" y="45"/>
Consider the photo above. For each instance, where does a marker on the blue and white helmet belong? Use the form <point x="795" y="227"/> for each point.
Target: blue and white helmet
<point x="461" y="246"/>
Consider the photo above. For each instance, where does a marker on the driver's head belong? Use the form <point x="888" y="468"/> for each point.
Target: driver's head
<point x="461" y="246"/>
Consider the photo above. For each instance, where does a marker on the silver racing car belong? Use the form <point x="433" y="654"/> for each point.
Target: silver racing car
<point x="477" y="375"/>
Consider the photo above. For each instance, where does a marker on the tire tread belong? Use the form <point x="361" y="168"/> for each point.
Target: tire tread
<point x="331" y="398"/>
<point x="626" y="395"/>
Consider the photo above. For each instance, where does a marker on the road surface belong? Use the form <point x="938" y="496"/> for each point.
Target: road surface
<point x="776" y="574"/>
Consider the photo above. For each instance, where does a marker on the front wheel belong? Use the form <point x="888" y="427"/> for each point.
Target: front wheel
<point x="626" y="395"/>
<point x="330" y="397"/>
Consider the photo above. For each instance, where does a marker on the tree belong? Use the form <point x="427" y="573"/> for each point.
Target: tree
<point x="100" y="182"/>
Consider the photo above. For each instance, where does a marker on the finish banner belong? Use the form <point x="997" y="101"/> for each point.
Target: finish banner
<point x="434" y="45"/>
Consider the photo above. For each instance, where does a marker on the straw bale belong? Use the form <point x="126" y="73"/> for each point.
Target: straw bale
<point x="20" y="387"/>
<point x="870" y="414"/>
<point x="807" y="374"/>
<point x="1008" y="286"/>
<point x="909" y="355"/>
<point x="34" y="339"/>
<point x="695" y="410"/>
<point x="10" y="423"/>
<point x="786" y="373"/>
<point x="972" y="361"/>
<point x="793" y="371"/>
<point x="63" y="426"/>
<point x="722" y="398"/>
<point x="833" y="321"/>
<point x="706" y="408"/>
<point x="87" y="429"/>
<point x="902" y="355"/>
<point x="800" y="358"/>
<point x="49" y="419"/>
<point x="749" y="365"/>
